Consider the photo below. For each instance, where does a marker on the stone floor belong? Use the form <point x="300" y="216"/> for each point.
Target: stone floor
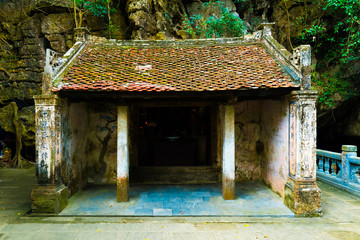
<point x="252" y="199"/>
<point x="341" y="220"/>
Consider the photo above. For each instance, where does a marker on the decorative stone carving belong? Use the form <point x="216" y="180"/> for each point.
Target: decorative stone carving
<point x="49" y="194"/>
<point x="301" y="192"/>
<point x="52" y="61"/>
<point x="295" y="58"/>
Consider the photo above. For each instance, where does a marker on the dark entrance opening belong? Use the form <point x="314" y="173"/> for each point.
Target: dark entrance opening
<point x="174" y="136"/>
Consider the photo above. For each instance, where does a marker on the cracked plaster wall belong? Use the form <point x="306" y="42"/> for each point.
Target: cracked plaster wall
<point x="247" y="136"/>
<point x="275" y="138"/>
<point x="74" y="161"/>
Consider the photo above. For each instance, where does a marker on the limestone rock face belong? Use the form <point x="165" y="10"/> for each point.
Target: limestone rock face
<point x="15" y="10"/>
<point x="57" y="29"/>
<point x="21" y="91"/>
<point x="149" y="17"/>
<point x="57" y="23"/>
<point x="289" y="19"/>
<point x="197" y="8"/>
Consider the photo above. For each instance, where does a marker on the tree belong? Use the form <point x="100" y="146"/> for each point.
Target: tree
<point x="18" y="159"/>
<point x="99" y="8"/>
<point x="342" y="31"/>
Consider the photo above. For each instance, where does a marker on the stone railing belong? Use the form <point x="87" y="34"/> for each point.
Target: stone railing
<point x="340" y="169"/>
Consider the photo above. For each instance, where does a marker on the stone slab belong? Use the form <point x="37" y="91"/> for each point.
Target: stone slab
<point x="252" y="199"/>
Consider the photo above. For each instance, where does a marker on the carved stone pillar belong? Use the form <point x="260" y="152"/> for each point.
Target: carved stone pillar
<point x="49" y="194"/>
<point x="302" y="194"/>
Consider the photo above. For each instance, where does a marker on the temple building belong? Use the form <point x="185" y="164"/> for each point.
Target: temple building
<point x="177" y="112"/>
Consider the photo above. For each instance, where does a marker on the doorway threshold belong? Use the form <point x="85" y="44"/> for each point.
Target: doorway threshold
<point x="252" y="200"/>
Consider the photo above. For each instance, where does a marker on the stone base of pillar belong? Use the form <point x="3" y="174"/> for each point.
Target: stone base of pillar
<point x="228" y="189"/>
<point x="49" y="199"/>
<point x="122" y="189"/>
<point x="303" y="198"/>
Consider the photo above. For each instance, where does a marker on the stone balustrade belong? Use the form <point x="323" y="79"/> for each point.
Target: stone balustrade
<point x="340" y="169"/>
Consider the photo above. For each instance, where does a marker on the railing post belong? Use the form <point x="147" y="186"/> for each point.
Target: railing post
<point x="347" y="152"/>
<point x="326" y="165"/>
<point x="321" y="164"/>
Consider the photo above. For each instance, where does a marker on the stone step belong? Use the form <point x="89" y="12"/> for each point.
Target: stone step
<point x="174" y="175"/>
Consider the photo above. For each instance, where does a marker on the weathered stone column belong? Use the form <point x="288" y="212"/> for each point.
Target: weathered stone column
<point x="49" y="194"/>
<point x="123" y="154"/>
<point x="347" y="152"/>
<point x="228" y="160"/>
<point x="305" y="66"/>
<point x="302" y="194"/>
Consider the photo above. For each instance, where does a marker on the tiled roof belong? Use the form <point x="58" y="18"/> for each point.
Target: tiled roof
<point x="185" y="68"/>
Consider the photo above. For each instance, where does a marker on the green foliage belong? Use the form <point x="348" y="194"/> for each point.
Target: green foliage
<point x="338" y="40"/>
<point x="328" y="85"/>
<point x="98" y="8"/>
<point x="216" y="21"/>
<point x="335" y="39"/>
<point x="113" y="30"/>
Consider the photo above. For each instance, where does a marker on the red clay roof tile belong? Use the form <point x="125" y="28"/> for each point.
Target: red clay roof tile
<point x="156" y="69"/>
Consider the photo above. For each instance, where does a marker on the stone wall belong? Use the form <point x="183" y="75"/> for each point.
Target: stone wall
<point x="101" y="143"/>
<point x="89" y="144"/>
<point x="74" y="146"/>
<point x="275" y="141"/>
<point x="247" y="138"/>
<point x="261" y="131"/>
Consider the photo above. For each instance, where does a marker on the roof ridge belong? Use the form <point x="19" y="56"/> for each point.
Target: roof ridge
<point x="246" y="39"/>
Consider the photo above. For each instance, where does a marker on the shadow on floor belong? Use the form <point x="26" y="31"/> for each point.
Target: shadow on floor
<point x="252" y="199"/>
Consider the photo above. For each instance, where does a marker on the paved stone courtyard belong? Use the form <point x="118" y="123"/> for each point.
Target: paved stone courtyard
<point x="252" y="199"/>
<point x="341" y="220"/>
